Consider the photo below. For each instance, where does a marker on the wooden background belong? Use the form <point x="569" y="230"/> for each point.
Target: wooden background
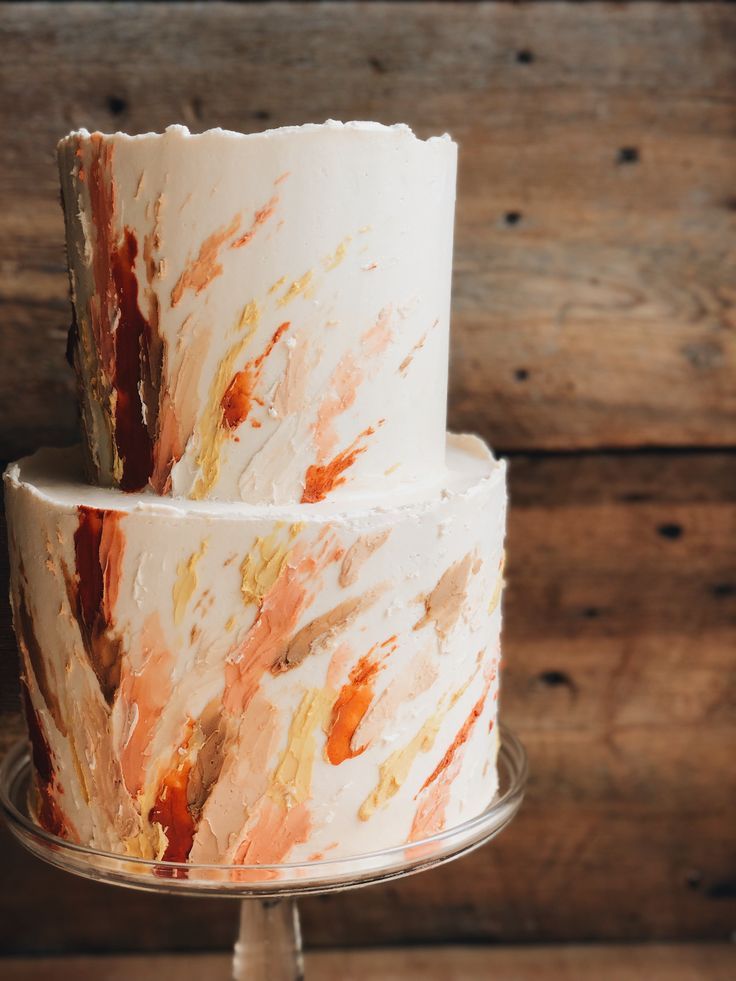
<point x="594" y="342"/>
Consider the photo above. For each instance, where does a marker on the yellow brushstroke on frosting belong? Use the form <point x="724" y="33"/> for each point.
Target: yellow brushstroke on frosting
<point x="292" y="779"/>
<point x="277" y="285"/>
<point x="186" y="582"/>
<point x="297" y="288"/>
<point x="262" y="565"/>
<point x="331" y="262"/>
<point x="211" y="434"/>
<point x="229" y="624"/>
<point x="394" y="771"/>
<point x="496" y="597"/>
<point x="250" y="316"/>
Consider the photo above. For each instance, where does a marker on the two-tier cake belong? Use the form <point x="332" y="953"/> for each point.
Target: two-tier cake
<point x="268" y="628"/>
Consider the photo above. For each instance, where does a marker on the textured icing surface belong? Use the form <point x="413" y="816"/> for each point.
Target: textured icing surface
<point x="237" y="683"/>
<point x="261" y="318"/>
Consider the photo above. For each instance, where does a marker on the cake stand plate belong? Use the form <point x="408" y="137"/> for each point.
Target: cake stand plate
<point x="269" y="944"/>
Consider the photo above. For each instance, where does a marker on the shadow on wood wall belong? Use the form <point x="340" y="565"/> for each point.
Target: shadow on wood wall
<point x="594" y="340"/>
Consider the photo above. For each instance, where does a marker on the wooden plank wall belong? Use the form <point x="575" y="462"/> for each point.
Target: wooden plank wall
<point x="594" y="340"/>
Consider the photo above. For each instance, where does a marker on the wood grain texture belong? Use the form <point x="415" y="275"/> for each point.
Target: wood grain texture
<point x="594" y="296"/>
<point x="620" y="677"/>
<point x="656" y="962"/>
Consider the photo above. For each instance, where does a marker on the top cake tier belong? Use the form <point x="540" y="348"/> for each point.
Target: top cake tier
<point x="261" y="318"/>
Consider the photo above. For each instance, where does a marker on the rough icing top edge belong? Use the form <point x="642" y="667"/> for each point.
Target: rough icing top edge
<point x="364" y="126"/>
<point x="483" y="470"/>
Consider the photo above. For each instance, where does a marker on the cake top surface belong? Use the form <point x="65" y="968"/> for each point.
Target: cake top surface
<point x="331" y="125"/>
<point x="57" y="475"/>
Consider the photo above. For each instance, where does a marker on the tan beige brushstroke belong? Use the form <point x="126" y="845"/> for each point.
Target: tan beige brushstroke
<point x="444" y="605"/>
<point x="359" y="553"/>
<point x="323" y="629"/>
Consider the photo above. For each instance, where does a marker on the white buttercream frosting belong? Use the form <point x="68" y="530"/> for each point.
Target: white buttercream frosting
<point x="357" y="648"/>
<point x="268" y="628"/>
<point x="290" y="300"/>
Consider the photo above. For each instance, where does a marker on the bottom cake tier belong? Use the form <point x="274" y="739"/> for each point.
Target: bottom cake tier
<point x="224" y="683"/>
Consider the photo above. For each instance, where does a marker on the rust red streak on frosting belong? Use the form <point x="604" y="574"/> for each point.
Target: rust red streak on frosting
<point x="87" y="540"/>
<point x="171" y="811"/>
<point x="238" y="398"/>
<point x="98" y="553"/>
<point x="348" y="711"/>
<point x="132" y="341"/>
<point x="49" y="814"/>
<point x="319" y="481"/>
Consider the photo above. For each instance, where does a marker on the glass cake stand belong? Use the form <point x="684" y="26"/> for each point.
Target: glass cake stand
<point x="269" y="942"/>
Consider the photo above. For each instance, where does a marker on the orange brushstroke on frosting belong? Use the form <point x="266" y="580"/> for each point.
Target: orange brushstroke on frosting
<point x="458" y="741"/>
<point x="378" y="337"/>
<point x="430" y="815"/>
<point x="343" y="388"/>
<point x="261" y="217"/>
<point x="145" y="692"/>
<point x="319" y="481"/>
<point x="238" y="398"/>
<point x="206" y="267"/>
<point x="274" y="833"/>
<point x="347" y="713"/>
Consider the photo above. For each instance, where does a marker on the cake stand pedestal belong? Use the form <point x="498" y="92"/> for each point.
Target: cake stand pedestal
<point x="269" y="944"/>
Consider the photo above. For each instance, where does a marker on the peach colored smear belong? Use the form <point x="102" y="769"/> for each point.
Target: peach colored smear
<point x="199" y="274"/>
<point x="277" y="618"/>
<point x="274" y="834"/>
<point x="238" y="398"/>
<point x="207" y="266"/>
<point x="143" y="695"/>
<point x="343" y="390"/>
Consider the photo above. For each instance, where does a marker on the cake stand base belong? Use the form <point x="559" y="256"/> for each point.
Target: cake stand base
<point x="269" y="943"/>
